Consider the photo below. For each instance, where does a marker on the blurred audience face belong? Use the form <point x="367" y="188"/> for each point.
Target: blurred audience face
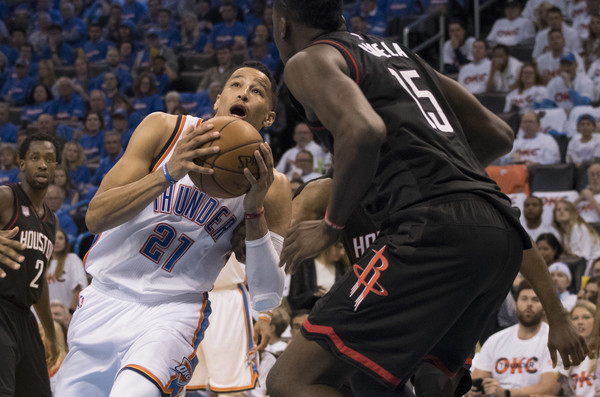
<point x="562" y="213"/>
<point x="530" y="124"/>
<point x="556" y="41"/>
<point x="590" y="292"/>
<point x="297" y="324"/>
<point x="595" y="268"/>
<point x="164" y="18"/>
<point x="593" y="174"/>
<point x="561" y="281"/>
<point x="529" y="308"/>
<point x="65" y="88"/>
<point x="500" y="57"/>
<point x="583" y="321"/>
<point x="554" y="20"/>
<point x="40" y="95"/>
<point x="548" y="253"/>
<point x="302" y="135"/>
<point x="228" y="13"/>
<point x="512" y="11"/>
<point x="112" y="144"/>
<point x="97" y="101"/>
<point x="46" y="124"/>
<point x="54" y="197"/>
<point x="533" y="209"/>
<point x="119" y="123"/>
<point x="304" y="161"/>
<point x="359" y="25"/>
<point x="92" y="123"/>
<point x="479" y="51"/>
<point x="95" y="33"/>
<point x="59" y="312"/>
<point x="224" y="56"/>
<point x="3" y="113"/>
<point x="112" y="57"/>
<point x="110" y="82"/>
<point x="455" y="30"/>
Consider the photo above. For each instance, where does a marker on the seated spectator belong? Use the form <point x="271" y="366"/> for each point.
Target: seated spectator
<point x="8" y="131"/>
<point x="528" y="91"/>
<point x="522" y="347"/>
<point x="167" y="32"/>
<point x="120" y="102"/>
<point x="458" y="49"/>
<point x="474" y="75"/>
<point x="73" y="27"/>
<point x="112" y="22"/>
<point x="549" y="247"/>
<point x="193" y="39"/>
<point x="304" y="139"/>
<point x="134" y="10"/>
<point x="146" y="100"/>
<point x="73" y="159"/>
<point x="591" y="46"/>
<point x="590" y="291"/>
<point x="47" y="125"/>
<point x="95" y="48"/>
<point x="513" y="29"/>
<point x="549" y="63"/>
<point x="66" y="275"/>
<point x="585" y="146"/>
<point x="261" y="48"/>
<point x="127" y="54"/>
<point x="298" y="318"/>
<point x="561" y="276"/>
<point x="69" y="106"/>
<point x="582" y="378"/>
<point x="37" y="103"/>
<point x="570" y="88"/>
<point x="303" y="167"/>
<point x="280" y="320"/>
<point x="315" y="277"/>
<point x="83" y="82"/>
<point x="374" y="16"/>
<point x="9" y="167"/>
<point x="219" y="74"/>
<point x="127" y="32"/>
<point x="172" y="101"/>
<point x="504" y="70"/>
<point x="53" y="199"/>
<point x="97" y="103"/>
<point x="554" y="18"/>
<point x="123" y="74"/>
<point x="230" y="32"/>
<point x="58" y="51"/>
<point x="91" y="138"/>
<point x="533" y="208"/>
<point x="27" y="52"/>
<point x="16" y="90"/>
<point x="153" y="46"/>
<point x="110" y="85"/>
<point x="46" y="75"/>
<point x="534" y="147"/>
<point x="205" y="110"/>
<point x="62" y="179"/>
<point x="578" y="238"/>
<point x="161" y="72"/>
<point x="194" y="102"/>
<point x="113" y="152"/>
<point x="590" y="195"/>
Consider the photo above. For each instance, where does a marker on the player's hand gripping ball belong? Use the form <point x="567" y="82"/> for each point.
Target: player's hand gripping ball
<point x="237" y="142"/>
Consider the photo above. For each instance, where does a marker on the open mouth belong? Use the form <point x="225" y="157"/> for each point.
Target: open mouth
<point x="238" y="111"/>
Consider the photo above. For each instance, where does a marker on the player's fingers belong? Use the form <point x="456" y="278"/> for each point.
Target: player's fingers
<point x="248" y="174"/>
<point x="202" y="152"/>
<point x="267" y="154"/>
<point x="193" y="167"/>
<point x="205" y="127"/>
<point x="199" y="140"/>
<point x="565" y="359"/>
<point x="553" y="357"/>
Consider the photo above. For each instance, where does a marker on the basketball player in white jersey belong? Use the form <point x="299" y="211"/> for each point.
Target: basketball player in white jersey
<point x="161" y="244"/>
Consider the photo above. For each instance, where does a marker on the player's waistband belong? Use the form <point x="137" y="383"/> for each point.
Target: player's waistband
<point x="149" y="297"/>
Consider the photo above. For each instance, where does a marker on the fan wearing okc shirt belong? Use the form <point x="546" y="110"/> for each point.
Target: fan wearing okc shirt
<point x="585" y="146"/>
<point x="517" y="359"/>
<point x="513" y="29"/>
<point x="534" y="147"/>
<point x="554" y="18"/>
<point x="474" y="76"/>
<point x="528" y="93"/>
<point x="549" y="63"/>
<point x="162" y="243"/>
<point x="570" y="88"/>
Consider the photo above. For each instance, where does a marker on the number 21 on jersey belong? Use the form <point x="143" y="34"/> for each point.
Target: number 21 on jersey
<point x="159" y="243"/>
<point x="437" y="119"/>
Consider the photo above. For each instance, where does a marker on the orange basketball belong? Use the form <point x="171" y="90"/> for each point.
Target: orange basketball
<point x="237" y="143"/>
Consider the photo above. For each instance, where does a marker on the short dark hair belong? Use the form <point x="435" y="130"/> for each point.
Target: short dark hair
<point x="554" y="9"/>
<point x="38" y="137"/>
<point x="523" y="285"/>
<point x="320" y="14"/>
<point x="501" y="47"/>
<point x="261" y="67"/>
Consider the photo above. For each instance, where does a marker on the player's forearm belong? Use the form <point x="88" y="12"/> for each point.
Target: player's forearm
<point x="118" y="205"/>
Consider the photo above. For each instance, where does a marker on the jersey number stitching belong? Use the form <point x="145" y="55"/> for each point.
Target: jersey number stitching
<point x="39" y="264"/>
<point x="159" y="243"/>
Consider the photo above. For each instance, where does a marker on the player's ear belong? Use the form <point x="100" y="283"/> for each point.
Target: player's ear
<point x="216" y="105"/>
<point x="269" y="120"/>
<point x="284" y="27"/>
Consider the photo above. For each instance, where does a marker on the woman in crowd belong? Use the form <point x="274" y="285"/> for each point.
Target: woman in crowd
<point x="121" y="102"/>
<point x="62" y="179"/>
<point x="73" y="159"/>
<point x="37" y="103"/>
<point x="582" y="378"/>
<point x="83" y="81"/>
<point x="549" y="247"/>
<point x="91" y="138"/>
<point x="46" y="75"/>
<point x="585" y="146"/>
<point x="193" y="39"/>
<point x="9" y="167"/>
<point x="578" y="237"/>
<point x="591" y="47"/>
<point x="528" y="92"/>
<point x="146" y="100"/>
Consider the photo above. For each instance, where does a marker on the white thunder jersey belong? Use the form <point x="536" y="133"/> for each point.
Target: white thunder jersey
<point x="175" y="246"/>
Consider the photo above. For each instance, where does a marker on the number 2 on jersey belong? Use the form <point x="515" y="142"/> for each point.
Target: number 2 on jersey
<point x="439" y="122"/>
<point x="160" y="242"/>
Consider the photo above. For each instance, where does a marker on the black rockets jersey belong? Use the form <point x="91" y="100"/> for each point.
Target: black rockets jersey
<point x="426" y="154"/>
<point x="22" y="287"/>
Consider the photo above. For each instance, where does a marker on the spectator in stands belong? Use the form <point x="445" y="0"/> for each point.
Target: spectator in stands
<point x="16" y="90"/>
<point x="578" y="238"/>
<point x="458" y="49"/>
<point x="53" y="199"/>
<point x="146" y="100"/>
<point x="528" y="91"/>
<point x="27" y="52"/>
<point x="590" y="291"/>
<point x="152" y="18"/>
<point x="549" y="247"/>
<point x="109" y="83"/>
<point x="193" y="39"/>
<point x="167" y="32"/>
<point x="61" y="53"/>
<point x="97" y="103"/>
<point x="219" y="73"/>
<point x="113" y="63"/>
<point x="534" y="147"/>
<point x="585" y="146"/>
<point x="513" y="29"/>
<point x="296" y="322"/>
<point x="11" y="49"/>
<point x="127" y="32"/>
<point x="591" y="46"/>
<point x="533" y="208"/>
<point x="112" y="25"/>
<point x="588" y="202"/>
<point x="303" y="137"/>
<point x="172" y="102"/>
<point x="91" y="138"/>
<point x="206" y="111"/>
<point x="73" y="159"/>
<point x="37" y="103"/>
<point x="303" y="167"/>
<point x="38" y="36"/>
<point x="126" y="54"/>
<point x="554" y="18"/>
<point x="9" y="167"/>
<point x="113" y="152"/>
<point x="62" y="179"/>
<point x="46" y="75"/>
<point x="161" y="72"/>
<point x="202" y="12"/>
<point x="121" y="102"/>
<point x="134" y="10"/>
<point x="315" y="277"/>
<point x="143" y="60"/>
<point x="374" y="16"/>
<point x="47" y="125"/>
<point x="47" y="7"/>
<point x="522" y="347"/>
<point x="95" y="48"/>
<point x="68" y="106"/>
<point x="73" y="28"/>
<point x="119" y="124"/>
<point x="83" y="82"/>
<point x="504" y="70"/>
<point x="8" y="131"/>
<point x="261" y="48"/>
<point x="549" y="63"/>
<point x="570" y="88"/>
<point x="230" y="32"/>
<point x="582" y="378"/>
<point x="474" y="76"/>
<point x="561" y="276"/>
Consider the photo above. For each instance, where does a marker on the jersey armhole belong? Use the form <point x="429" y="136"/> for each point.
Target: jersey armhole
<point x="168" y="144"/>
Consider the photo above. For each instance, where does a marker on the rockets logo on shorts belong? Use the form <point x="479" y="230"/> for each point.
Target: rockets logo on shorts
<point x="369" y="277"/>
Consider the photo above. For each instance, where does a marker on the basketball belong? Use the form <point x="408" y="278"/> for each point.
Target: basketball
<point x="238" y="141"/>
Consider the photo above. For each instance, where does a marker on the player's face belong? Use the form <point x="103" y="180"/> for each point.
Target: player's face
<point x="529" y="309"/>
<point x="548" y="253"/>
<point x="583" y="321"/>
<point x="39" y="164"/>
<point x="247" y="95"/>
<point x="561" y="281"/>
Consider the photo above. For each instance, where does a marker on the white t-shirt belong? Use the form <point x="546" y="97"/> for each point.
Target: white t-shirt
<point x="505" y="79"/>
<point x="543" y="228"/>
<point x="526" y="99"/>
<point x="466" y="49"/>
<point x="578" y="151"/>
<point x="583" y="244"/>
<point x="549" y="66"/>
<point x="581" y="24"/>
<point x="568" y="300"/>
<point x="514" y="362"/>
<point x="519" y="31"/>
<point x="473" y="76"/>
<point x="289" y="156"/>
<point x="559" y="93"/>
<point x="542" y="149"/>
<point x="586" y="210"/>
<point x="582" y="379"/>
<point x="572" y="41"/>
<point x="531" y="5"/>
<point x="74" y="275"/>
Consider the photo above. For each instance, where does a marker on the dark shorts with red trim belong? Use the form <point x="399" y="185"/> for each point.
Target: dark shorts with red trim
<point x="423" y="291"/>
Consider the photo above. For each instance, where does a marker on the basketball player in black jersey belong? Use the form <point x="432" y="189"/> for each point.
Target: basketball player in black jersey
<point x="402" y="155"/>
<point x="26" y="244"/>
